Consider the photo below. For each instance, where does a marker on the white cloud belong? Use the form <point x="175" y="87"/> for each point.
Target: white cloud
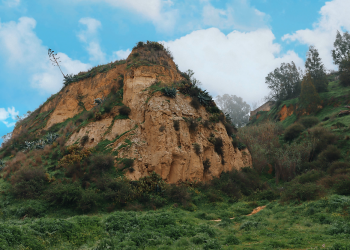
<point x="21" y="48"/>
<point x="90" y="38"/>
<point x="121" y="54"/>
<point x="91" y="28"/>
<point x="4" y="115"/>
<point x="185" y="16"/>
<point x="153" y="10"/>
<point x="236" y="63"/>
<point x="11" y="3"/>
<point x="334" y="16"/>
<point x="9" y="124"/>
<point x="12" y="112"/>
<point x="95" y="52"/>
<point x="159" y="12"/>
<point x="237" y="15"/>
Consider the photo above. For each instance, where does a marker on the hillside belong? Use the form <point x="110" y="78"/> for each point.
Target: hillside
<point x="134" y="155"/>
<point x="157" y="131"/>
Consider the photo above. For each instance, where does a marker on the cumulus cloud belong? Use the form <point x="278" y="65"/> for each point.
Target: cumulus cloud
<point x="20" y="47"/>
<point x="334" y="16"/>
<point x="4" y="115"/>
<point x="236" y="63"/>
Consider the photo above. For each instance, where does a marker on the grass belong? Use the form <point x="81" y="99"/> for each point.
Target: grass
<point x="279" y="226"/>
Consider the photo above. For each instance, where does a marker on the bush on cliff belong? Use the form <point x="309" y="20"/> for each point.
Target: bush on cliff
<point x="309" y="121"/>
<point x="293" y="131"/>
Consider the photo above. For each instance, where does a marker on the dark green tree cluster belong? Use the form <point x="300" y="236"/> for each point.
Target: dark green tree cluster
<point x="341" y="57"/>
<point x="315" y="68"/>
<point x="309" y="98"/>
<point x="284" y="82"/>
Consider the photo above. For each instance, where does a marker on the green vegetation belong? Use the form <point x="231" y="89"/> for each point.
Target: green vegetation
<point x="92" y="72"/>
<point x="58" y="197"/>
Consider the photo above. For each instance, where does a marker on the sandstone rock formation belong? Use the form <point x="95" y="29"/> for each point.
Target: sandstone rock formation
<point x="148" y="136"/>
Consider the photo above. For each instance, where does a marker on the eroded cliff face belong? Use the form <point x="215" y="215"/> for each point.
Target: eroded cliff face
<point x="66" y="104"/>
<point x="148" y="136"/>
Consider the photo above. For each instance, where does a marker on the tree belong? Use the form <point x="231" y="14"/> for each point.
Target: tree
<point x="316" y="69"/>
<point x="284" y="82"/>
<point x="235" y="107"/>
<point x="309" y="98"/>
<point x="341" y="57"/>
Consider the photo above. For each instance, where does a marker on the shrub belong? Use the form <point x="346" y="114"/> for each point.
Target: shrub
<point x="98" y="116"/>
<point x="28" y="182"/>
<point x="222" y="118"/>
<point x="332" y="153"/>
<point x="261" y="139"/>
<point x="206" y="123"/>
<point x="336" y="166"/>
<point x="322" y="138"/>
<point x="248" y="225"/>
<point x="213" y="197"/>
<point x="178" y="193"/>
<point x="79" y="121"/>
<point x="309" y="121"/>
<point x="117" y="190"/>
<point x="342" y="187"/>
<point x="192" y="124"/>
<point x="230" y="129"/>
<point x="339" y="125"/>
<point x="90" y="115"/>
<point x="213" y="109"/>
<point x="128" y="163"/>
<point x="176" y="124"/>
<point x="235" y="143"/>
<point x="195" y="103"/>
<point x="232" y="240"/>
<point x="162" y="128"/>
<point x="241" y="146"/>
<point x="124" y="110"/>
<point x="330" y="181"/>
<point x="108" y="106"/>
<point x="235" y="183"/>
<point x="265" y="195"/>
<point x="84" y="140"/>
<point x="303" y="192"/>
<point x="197" y="148"/>
<point x="218" y="146"/>
<point x="101" y="163"/>
<point x="67" y="194"/>
<point x="310" y="176"/>
<point x="293" y="131"/>
<point x="206" y="165"/>
<point x="169" y="91"/>
<point x="89" y="199"/>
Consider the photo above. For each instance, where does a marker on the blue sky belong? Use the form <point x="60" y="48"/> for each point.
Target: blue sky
<point x="231" y="45"/>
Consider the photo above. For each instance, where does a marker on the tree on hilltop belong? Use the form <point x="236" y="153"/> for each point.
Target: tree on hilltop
<point x="309" y="98"/>
<point x="316" y="69"/>
<point x="284" y="82"/>
<point x="341" y="57"/>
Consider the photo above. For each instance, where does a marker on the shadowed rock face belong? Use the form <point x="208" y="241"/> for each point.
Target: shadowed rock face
<point x="149" y="135"/>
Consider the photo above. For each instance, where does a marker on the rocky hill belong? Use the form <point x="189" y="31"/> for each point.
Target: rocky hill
<point x="146" y="113"/>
